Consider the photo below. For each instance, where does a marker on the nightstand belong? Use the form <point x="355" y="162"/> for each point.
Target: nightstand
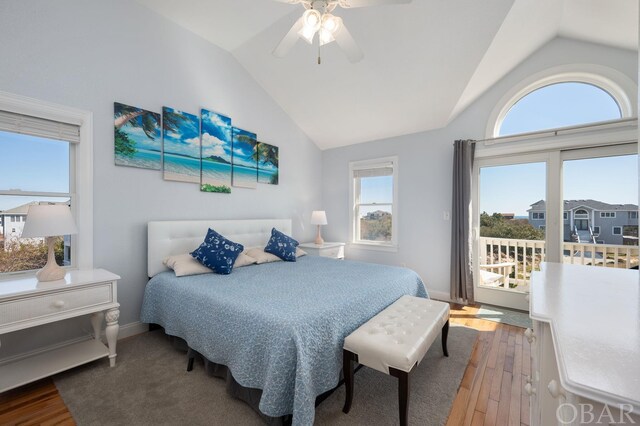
<point x="333" y="250"/>
<point x="26" y="303"/>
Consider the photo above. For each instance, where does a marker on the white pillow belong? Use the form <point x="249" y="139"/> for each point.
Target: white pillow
<point x="262" y="256"/>
<point x="185" y="264"/>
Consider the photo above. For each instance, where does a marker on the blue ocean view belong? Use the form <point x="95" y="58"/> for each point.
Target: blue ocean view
<point x="188" y="167"/>
<point x="142" y="158"/>
<point x="216" y="173"/>
<point x="264" y="176"/>
<point x="245" y="176"/>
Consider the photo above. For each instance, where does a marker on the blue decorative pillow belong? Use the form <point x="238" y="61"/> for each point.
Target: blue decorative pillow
<point x="217" y="253"/>
<point x="282" y="246"/>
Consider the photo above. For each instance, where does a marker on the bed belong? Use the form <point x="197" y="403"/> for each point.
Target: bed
<point x="277" y="327"/>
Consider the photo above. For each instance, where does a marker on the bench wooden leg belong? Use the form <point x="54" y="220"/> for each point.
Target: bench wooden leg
<point x="403" y="393"/>
<point x="347" y="370"/>
<point x="445" y="333"/>
<point x="191" y="357"/>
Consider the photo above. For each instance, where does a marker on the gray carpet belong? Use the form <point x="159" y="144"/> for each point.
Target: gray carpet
<point x="149" y="386"/>
<point x="505" y="316"/>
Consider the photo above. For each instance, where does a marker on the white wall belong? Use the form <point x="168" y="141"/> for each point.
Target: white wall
<point x="425" y="167"/>
<point x="88" y="54"/>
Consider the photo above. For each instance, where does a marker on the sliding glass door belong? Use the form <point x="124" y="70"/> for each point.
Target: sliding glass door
<point x="576" y="206"/>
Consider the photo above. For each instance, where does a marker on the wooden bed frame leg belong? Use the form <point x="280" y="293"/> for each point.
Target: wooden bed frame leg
<point x="445" y="334"/>
<point x="347" y="371"/>
<point x="403" y="394"/>
<point x="191" y="357"/>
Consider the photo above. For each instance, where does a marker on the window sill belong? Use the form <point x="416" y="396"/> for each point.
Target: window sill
<point x="373" y="246"/>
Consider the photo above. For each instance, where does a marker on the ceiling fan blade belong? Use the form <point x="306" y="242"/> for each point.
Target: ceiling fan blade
<point x="290" y="1"/>
<point x="288" y="40"/>
<point x="350" y="4"/>
<point x="348" y="44"/>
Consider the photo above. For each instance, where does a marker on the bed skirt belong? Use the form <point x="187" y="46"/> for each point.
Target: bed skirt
<point x="250" y="396"/>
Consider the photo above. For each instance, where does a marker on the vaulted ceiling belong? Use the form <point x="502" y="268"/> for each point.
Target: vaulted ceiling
<point x="425" y="62"/>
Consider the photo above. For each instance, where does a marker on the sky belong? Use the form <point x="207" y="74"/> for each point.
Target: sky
<point x="186" y="139"/>
<point x="216" y="135"/>
<point x="512" y="189"/>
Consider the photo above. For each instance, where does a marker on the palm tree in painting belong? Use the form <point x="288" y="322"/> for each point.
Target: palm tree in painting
<point x="267" y="154"/>
<point x="136" y="117"/>
<point x="172" y="120"/>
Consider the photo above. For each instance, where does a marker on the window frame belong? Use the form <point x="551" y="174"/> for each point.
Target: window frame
<point x="354" y="197"/>
<point x="596" y="227"/>
<point x="565" y="215"/>
<point x="81" y="173"/>
<point x="633" y="215"/>
<point x="607" y="215"/>
<point x="613" y="230"/>
<point x="622" y="89"/>
<point x="538" y="216"/>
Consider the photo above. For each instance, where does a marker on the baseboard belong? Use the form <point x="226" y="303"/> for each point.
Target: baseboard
<point x="440" y="295"/>
<point x="125" y="331"/>
<point x="132" y="329"/>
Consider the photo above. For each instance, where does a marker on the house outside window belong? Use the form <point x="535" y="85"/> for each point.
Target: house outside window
<point x="596" y="230"/>
<point x="537" y="215"/>
<point x="617" y="230"/>
<point x="565" y="216"/>
<point x="374" y="201"/>
<point x="608" y="215"/>
<point x="633" y="215"/>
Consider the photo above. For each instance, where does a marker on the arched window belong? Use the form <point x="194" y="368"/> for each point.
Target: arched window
<point x="556" y="105"/>
<point x="581" y="214"/>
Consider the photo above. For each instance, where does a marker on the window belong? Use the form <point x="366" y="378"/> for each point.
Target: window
<point x="565" y="216"/>
<point x="617" y="230"/>
<point x="374" y="202"/>
<point x="38" y="167"/>
<point x="596" y="230"/>
<point x="608" y="215"/>
<point x="537" y="215"/>
<point x="559" y="105"/>
<point x="633" y="215"/>
<point x="542" y="227"/>
<point x="581" y="214"/>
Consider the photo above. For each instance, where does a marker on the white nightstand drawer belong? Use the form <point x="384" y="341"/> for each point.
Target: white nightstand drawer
<point x="334" y="252"/>
<point x="29" y="308"/>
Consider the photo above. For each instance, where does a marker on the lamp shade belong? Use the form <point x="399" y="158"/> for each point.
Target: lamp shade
<point x="49" y="220"/>
<point x="319" y="217"/>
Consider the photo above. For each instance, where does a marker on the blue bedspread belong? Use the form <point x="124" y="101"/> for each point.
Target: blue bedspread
<point x="280" y="326"/>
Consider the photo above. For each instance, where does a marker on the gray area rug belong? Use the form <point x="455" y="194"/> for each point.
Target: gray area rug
<point x="150" y="386"/>
<point x="505" y="316"/>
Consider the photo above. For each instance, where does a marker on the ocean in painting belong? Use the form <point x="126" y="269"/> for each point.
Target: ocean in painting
<point x="143" y="159"/>
<point x="245" y="161"/>
<point x="181" y="168"/>
<point x="137" y="137"/>
<point x="268" y="176"/>
<point x="181" y="146"/>
<point x="216" y="140"/>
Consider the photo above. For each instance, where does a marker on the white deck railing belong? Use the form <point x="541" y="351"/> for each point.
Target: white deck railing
<point x="526" y="256"/>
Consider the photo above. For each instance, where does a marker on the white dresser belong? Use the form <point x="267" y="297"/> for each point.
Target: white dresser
<point x="585" y="346"/>
<point x="333" y="250"/>
<point x="26" y="303"/>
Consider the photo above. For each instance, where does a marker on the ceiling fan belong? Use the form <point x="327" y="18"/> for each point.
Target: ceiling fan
<point x="317" y="18"/>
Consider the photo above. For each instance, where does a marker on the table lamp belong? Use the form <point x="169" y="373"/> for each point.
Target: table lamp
<point x="49" y="221"/>
<point x="319" y="217"/>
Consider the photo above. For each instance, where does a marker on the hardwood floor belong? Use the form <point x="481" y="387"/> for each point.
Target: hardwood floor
<point x="490" y="393"/>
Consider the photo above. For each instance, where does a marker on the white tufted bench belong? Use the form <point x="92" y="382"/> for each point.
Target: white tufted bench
<point x="394" y="341"/>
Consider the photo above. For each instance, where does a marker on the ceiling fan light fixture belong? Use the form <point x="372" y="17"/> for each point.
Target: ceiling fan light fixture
<point x="307" y="34"/>
<point x="331" y="23"/>
<point x="312" y="19"/>
<point x="325" y="37"/>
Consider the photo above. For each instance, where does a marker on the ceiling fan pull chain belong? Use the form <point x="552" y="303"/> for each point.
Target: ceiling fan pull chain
<point x="319" y="59"/>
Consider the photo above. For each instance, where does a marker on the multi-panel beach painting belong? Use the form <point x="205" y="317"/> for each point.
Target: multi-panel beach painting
<point x="245" y="159"/>
<point x="206" y="150"/>
<point x="216" y="152"/>
<point x="181" y="153"/>
<point x="137" y="137"/>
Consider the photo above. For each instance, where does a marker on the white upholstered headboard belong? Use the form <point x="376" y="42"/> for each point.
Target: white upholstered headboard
<point x="166" y="238"/>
